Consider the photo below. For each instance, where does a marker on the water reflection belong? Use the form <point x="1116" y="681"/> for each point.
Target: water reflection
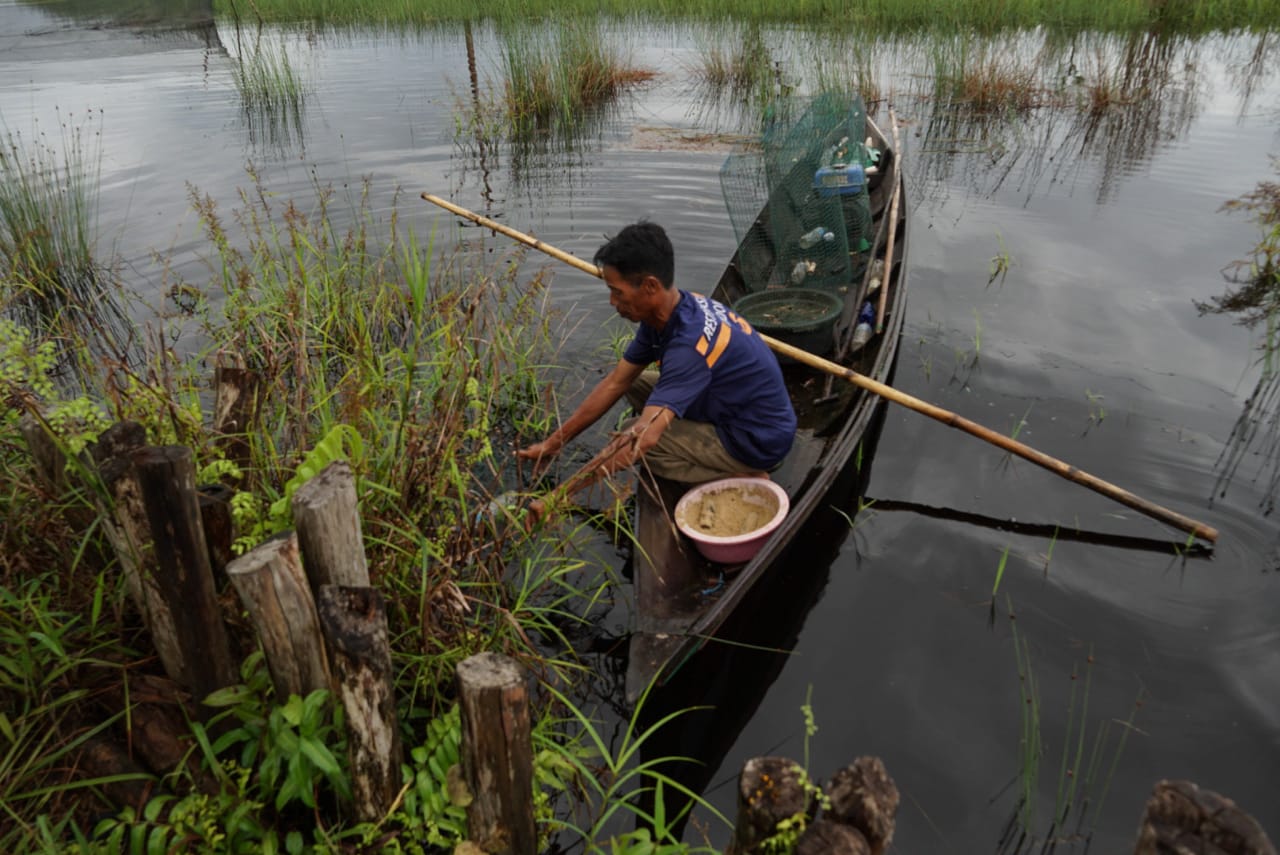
<point x="128" y="13"/>
<point x="1253" y="296"/>
<point x="1047" y="113"/>
<point x="272" y="87"/>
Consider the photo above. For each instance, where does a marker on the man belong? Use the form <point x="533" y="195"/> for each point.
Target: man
<point x="718" y="406"/>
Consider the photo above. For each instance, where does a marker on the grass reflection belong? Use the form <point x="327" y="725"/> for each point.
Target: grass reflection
<point x="1255" y="298"/>
<point x="273" y="93"/>
<point x="954" y="16"/>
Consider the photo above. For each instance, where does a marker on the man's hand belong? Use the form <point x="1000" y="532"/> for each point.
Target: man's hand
<point x="541" y="453"/>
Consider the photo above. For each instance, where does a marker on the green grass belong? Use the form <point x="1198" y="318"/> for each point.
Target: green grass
<point x="51" y="275"/>
<point x="424" y="371"/>
<point x="1090" y="753"/>
<point x="559" y="80"/>
<point x="736" y="62"/>
<point x="1179" y="16"/>
<point x="273" y="94"/>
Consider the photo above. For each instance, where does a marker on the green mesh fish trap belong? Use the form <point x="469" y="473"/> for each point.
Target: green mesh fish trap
<point x="798" y="201"/>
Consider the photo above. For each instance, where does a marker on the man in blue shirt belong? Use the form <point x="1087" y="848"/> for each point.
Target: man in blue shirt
<point x="717" y="407"/>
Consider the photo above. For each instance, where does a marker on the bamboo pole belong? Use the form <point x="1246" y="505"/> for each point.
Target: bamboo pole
<point x="1071" y="473"/>
<point x="893" y="222"/>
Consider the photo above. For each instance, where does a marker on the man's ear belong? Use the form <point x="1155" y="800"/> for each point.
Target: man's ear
<point x="652" y="284"/>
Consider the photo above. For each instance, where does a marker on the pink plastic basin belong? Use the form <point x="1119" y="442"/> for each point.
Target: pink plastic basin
<point x="740" y="548"/>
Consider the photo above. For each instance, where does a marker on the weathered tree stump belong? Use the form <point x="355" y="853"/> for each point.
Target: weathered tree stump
<point x="828" y="837"/>
<point x="159" y="733"/>
<point x="126" y="784"/>
<point x="119" y="440"/>
<point x="219" y="529"/>
<point x="770" y="790"/>
<point x="327" y="518"/>
<point x="52" y="473"/>
<point x="166" y="478"/>
<point x="864" y="796"/>
<point x="497" y="754"/>
<point x="354" y="622"/>
<point x="49" y="459"/>
<point x="117" y="443"/>
<point x="1182" y="818"/>
<point x="234" y="406"/>
<point x="274" y="590"/>
<point x="129" y="532"/>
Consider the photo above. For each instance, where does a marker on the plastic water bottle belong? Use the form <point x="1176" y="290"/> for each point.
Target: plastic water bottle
<point x="866" y="322"/>
<point x="801" y="270"/>
<point x="811" y="237"/>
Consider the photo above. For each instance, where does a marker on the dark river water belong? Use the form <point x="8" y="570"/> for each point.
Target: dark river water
<point x="1090" y="347"/>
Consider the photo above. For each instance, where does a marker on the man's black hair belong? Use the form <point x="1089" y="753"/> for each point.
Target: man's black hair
<point x="640" y="249"/>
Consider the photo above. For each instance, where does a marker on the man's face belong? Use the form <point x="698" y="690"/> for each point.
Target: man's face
<point x="630" y="301"/>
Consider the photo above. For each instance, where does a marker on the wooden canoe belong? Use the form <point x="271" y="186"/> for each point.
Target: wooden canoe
<point x="681" y="599"/>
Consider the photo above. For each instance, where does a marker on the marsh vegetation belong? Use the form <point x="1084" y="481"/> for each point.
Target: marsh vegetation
<point x="424" y="365"/>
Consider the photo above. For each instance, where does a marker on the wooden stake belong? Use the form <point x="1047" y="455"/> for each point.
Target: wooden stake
<point x="354" y="622"/>
<point x="129" y="532"/>
<point x="234" y="404"/>
<point x="1197" y="529"/>
<point x="327" y="518"/>
<point x="497" y="754"/>
<point x="273" y="587"/>
<point x="770" y="789"/>
<point x="166" y="477"/>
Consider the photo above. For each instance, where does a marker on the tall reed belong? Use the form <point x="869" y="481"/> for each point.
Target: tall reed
<point x="51" y="275"/>
<point x="886" y="15"/>
<point x="273" y="93"/>
<point x="558" y="81"/>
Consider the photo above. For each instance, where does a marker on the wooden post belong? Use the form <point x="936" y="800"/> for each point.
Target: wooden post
<point x="48" y="457"/>
<point x="864" y="796"/>
<point x="859" y="821"/>
<point x="497" y="754"/>
<point x="770" y="789"/>
<point x="234" y="403"/>
<point x="166" y="477"/>
<point x="1181" y="817"/>
<point x="354" y="622"/>
<point x="828" y="837"/>
<point x="219" y="529"/>
<point x="130" y="534"/>
<point x="327" y="518"/>
<point x="274" y="589"/>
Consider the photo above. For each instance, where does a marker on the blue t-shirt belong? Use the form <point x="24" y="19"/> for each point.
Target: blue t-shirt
<point x="716" y="369"/>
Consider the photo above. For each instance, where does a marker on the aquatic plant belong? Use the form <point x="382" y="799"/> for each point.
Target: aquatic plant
<point x="736" y="62"/>
<point x="272" y="92"/>
<point x="1195" y="16"/>
<point x="355" y="333"/>
<point x="1000" y="263"/>
<point x="51" y="275"/>
<point x="1255" y="299"/>
<point x="1089" y="757"/>
<point x="557" y="81"/>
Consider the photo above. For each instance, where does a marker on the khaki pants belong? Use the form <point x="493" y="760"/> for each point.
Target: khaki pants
<point x="689" y="451"/>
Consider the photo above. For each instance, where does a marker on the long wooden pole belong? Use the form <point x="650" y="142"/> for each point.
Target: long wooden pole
<point x="1071" y="473"/>
<point x="893" y="222"/>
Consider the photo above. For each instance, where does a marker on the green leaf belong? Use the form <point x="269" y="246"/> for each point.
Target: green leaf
<point x="229" y="696"/>
<point x="319" y="756"/>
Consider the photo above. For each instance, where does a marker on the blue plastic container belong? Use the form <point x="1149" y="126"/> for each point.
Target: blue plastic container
<point x="840" y="180"/>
